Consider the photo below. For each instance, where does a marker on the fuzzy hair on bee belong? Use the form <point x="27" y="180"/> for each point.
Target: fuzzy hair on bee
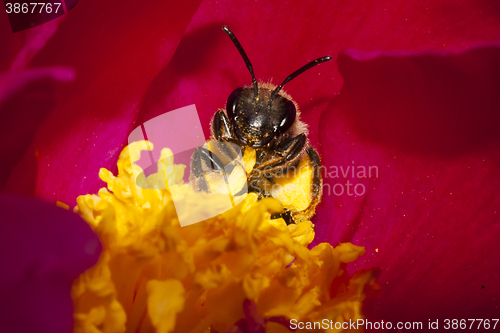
<point x="265" y="118"/>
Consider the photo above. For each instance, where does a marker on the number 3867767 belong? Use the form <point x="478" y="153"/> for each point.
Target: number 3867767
<point x="32" y="7"/>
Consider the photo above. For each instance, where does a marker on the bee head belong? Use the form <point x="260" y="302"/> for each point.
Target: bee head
<point x="258" y="120"/>
<point x="259" y="115"/>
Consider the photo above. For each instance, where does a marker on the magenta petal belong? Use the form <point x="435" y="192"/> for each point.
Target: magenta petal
<point x="117" y="56"/>
<point x="115" y="53"/>
<point x="11" y="43"/>
<point x="279" y="37"/>
<point x="429" y="216"/>
<point x="37" y="38"/>
<point x="206" y="67"/>
<point x="433" y="103"/>
<point x="43" y="248"/>
<point x="26" y="98"/>
<point x="18" y="49"/>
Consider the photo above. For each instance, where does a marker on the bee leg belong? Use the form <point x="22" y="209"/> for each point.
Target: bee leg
<point x="211" y="161"/>
<point x="285" y="215"/>
<point x="221" y="127"/>
<point x="316" y="188"/>
<point x="316" y="192"/>
<point x="223" y="133"/>
<point x="292" y="149"/>
<point x="289" y="153"/>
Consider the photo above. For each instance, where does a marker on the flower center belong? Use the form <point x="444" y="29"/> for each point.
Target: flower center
<point x="237" y="268"/>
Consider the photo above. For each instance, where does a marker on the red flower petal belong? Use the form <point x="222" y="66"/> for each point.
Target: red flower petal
<point x="11" y="43"/>
<point x="36" y="39"/>
<point x="117" y="56"/>
<point x="116" y="48"/>
<point x="18" y="49"/>
<point x="42" y="250"/>
<point x="430" y="219"/>
<point x="26" y="98"/>
<point x="279" y="37"/>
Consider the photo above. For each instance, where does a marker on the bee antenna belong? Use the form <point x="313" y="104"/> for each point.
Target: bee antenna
<point x="244" y="56"/>
<point x="298" y="72"/>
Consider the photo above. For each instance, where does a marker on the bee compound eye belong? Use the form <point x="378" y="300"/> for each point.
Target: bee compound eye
<point x="289" y="118"/>
<point x="231" y="102"/>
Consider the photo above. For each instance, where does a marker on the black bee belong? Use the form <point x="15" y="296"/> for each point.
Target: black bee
<point x="265" y="118"/>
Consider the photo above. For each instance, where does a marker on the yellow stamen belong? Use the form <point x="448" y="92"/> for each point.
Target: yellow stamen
<point x="156" y="276"/>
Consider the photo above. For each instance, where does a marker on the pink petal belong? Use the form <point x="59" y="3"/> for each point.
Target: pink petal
<point x="11" y="43"/>
<point x="36" y="39"/>
<point x="26" y="98"/>
<point x="18" y="49"/>
<point x="114" y="65"/>
<point x="430" y="219"/>
<point x="116" y="48"/>
<point x="279" y="37"/>
<point x="42" y="250"/>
